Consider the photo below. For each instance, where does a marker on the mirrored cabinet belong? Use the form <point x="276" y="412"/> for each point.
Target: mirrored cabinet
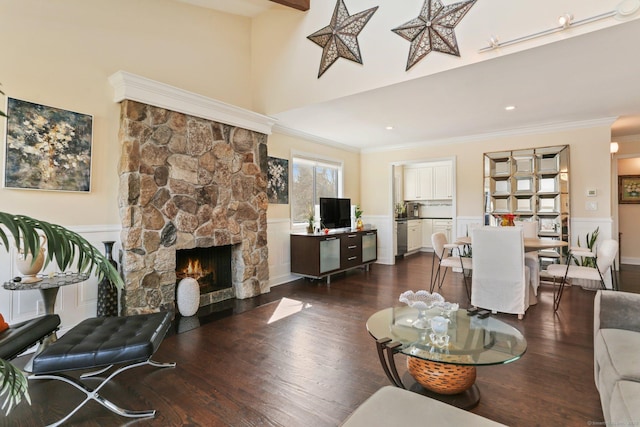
<point x="533" y="185"/>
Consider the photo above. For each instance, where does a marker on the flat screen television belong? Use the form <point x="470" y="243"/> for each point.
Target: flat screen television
<point x="335" y="212"/>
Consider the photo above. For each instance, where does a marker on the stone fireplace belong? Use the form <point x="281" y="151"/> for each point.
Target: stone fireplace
<point x="188" y="182"/>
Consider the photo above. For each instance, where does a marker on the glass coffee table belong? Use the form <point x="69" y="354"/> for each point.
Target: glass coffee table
<point x="446" y="372"/>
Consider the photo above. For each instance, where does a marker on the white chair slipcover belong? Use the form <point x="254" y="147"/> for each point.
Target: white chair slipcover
<point x="500" y="280"/>
<point x="530" y="230"/>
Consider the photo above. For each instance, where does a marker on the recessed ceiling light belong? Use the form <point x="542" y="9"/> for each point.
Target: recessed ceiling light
<point x="389" y="128"/>
<point x="510" y="107"/>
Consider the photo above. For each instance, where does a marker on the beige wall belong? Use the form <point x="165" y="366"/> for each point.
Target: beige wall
<point x="629" y="164"/>
<point x="60" y="53"/>
<point x="589" y="161"/>
<point x="284" y="146"/>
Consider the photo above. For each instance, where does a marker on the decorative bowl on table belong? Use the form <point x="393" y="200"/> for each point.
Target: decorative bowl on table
<point x="422" y="301"/>
<point x="448" y="307"/>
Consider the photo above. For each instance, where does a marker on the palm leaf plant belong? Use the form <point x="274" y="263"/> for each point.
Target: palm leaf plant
<point x="68" y="249"/>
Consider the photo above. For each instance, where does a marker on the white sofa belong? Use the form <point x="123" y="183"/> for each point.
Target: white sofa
<point x="616" y="348"/>
<point x="393" y="406"/>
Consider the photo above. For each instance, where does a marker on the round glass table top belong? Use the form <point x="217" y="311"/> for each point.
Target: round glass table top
<point x="471" y="340"/>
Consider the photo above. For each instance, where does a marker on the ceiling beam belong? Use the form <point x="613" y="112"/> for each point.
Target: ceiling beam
<point x="296" y="4"/>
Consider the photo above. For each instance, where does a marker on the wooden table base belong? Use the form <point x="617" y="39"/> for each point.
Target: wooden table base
<point x="457" y="381"/>
<point x="443" y="378"/>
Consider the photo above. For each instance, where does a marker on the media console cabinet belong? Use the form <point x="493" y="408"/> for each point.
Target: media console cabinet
<point x="320" y="255"/>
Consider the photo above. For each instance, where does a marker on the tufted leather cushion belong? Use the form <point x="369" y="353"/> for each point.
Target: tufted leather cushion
<point x="103" y="341"/>
<point x="23" y="335"/>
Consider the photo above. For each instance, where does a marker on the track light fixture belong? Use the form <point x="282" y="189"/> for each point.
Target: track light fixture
<point x="624" y="10"/>
<point x="565" y="20"/>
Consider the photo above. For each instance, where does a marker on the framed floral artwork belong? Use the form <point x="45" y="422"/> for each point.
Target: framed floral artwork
<point x="47" y="148"/>
<point x="629" y="189"/>
<point x="278" y="180"/>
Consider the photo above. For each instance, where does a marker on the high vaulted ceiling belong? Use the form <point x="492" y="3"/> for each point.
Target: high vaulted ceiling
<point x="589" y="77"/>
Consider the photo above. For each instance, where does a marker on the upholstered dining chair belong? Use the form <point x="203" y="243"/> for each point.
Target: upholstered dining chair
<point x="605" y="257"/>
<point x="448" y="255"/>
<point x="500" y="280"/>
<point x="530" y="230"/>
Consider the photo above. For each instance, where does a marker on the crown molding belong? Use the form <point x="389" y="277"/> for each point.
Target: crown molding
<point x="313" y="138"/>
<point x="529" y="130"/>
<point x="136" y="88"/>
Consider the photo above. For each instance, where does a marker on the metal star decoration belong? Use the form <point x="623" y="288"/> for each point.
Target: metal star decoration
<point x="433" y="29"/>
<point x="339" y="39"/>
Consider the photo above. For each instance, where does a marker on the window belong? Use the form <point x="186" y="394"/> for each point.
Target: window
<point x="312" y="179"/>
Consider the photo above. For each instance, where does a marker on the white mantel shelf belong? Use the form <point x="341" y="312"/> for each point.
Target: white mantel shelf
<point x="136" y="88"/>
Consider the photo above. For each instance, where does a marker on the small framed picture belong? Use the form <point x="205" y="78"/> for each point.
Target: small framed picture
<point x="278" y="180"/>
<point x="47" y="148"/>
<point x="629" y="189"/>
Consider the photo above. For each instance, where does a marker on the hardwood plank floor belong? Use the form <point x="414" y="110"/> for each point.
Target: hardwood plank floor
<point x="301" y="356"/>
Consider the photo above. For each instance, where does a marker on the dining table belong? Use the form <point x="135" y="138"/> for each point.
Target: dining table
<point x="531" y="244"/>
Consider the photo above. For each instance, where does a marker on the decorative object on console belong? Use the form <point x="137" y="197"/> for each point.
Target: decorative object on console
<point x="47" y="148"/>
<point x="433" y="30"/>
<point x="628" y="189"/>
<point x="107" y="291"/>
<point x="29" y="266"/>
<point x="278" y="180"/>
<point x="188" y="296"/>
<point x="339" y="39"/>
<point x="358" y="214"/>
<point x="310" y="224"/>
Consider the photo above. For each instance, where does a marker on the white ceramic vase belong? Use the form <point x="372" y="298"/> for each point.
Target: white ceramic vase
<point x="30" y="268"/>
<point x="188" y="296"/>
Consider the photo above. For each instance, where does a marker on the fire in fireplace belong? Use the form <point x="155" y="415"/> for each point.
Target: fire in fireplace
<point x="211" y="267"/>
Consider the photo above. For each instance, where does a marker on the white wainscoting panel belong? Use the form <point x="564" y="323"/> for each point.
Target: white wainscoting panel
<point x="74" y="302"/>
<point x="278" y="242"/>
<point x="384" y="224"/>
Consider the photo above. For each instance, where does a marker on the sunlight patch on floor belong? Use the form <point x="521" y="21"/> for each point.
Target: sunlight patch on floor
<point x="286" y="307"/>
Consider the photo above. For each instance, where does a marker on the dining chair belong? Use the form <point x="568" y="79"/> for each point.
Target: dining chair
<point x="444" y="253"/>
<point x="531" y="260"/>
<point x="500" y="280"/>
<point x="605" y="257"/>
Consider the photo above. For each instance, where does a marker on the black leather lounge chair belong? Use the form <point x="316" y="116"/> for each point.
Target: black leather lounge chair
<point x="24" y="335"/>
<point x="96" y="345"/>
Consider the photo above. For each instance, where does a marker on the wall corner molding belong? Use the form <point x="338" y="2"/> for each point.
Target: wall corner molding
<point x="141" y="89"/>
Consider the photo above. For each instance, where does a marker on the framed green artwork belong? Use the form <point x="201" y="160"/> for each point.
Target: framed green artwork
<point x="629" y="189"/>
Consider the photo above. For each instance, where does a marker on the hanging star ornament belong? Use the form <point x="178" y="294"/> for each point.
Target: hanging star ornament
<point x="339" y="39"/>
<point x="433" y="29"/>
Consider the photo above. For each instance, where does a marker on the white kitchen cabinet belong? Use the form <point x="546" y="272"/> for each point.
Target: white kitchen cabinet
<point x="414" y="235"/>
<point x="418" y="183"/>
<point x="427" y="231"/>
<point x="432" y="182"/>
<point x="443" y="226"/>
<point x="442" y="188"/>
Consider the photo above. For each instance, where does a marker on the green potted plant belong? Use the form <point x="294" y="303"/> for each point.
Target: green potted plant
<point x="68" y="249"/>
<point x="358" y="213"/>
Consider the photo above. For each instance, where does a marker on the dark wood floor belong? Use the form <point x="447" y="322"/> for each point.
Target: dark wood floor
<point x="301" y="356"/>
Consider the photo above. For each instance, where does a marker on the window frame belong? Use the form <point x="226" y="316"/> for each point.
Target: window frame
<point x="318" y="160"/>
